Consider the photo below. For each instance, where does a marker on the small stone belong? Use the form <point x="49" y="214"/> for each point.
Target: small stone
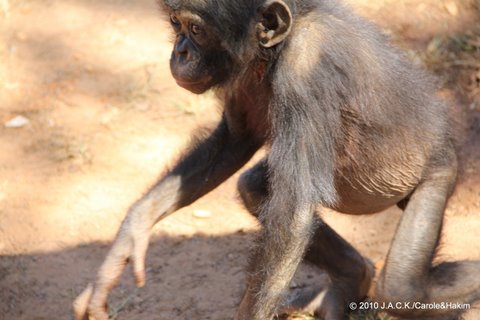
<point x="202" y="214"/>
<point x="17" y="122"/>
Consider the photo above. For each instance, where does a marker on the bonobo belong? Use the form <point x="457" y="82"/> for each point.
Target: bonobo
<point x="348" y="123"/>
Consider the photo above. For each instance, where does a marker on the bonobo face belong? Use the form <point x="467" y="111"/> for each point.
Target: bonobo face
<point x="198" y="61"/>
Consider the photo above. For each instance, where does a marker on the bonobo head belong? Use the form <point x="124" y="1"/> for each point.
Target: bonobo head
<point x="216" y="39"/>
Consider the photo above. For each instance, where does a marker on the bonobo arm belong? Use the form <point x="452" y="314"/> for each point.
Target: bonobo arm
<point x="287" y="217"/>
<point x="208" y="163"/>
<point x="300" y="165"/>
<point x="281" y="246"/>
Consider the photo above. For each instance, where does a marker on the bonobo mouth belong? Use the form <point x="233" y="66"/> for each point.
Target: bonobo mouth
<point x="196" y="87"/>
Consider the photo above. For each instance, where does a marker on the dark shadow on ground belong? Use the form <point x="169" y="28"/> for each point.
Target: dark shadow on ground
<point x="176" y="266"/>
<point x="187" y="278"/>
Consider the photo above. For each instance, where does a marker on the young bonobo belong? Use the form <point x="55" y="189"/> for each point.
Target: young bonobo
<point x="349" y="124"/>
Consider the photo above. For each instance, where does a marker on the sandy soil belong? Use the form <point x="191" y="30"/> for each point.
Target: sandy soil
<point x="104" y="118"/>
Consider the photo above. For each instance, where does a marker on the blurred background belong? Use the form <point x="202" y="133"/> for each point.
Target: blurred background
<point x="90" y="116"/>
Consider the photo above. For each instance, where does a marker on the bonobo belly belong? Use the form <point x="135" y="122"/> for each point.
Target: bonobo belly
<point x="357" y="195"/>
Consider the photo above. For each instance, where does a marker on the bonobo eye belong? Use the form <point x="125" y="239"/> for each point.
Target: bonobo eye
<point x="196" y="30"/>
<point x="174" y="20"/>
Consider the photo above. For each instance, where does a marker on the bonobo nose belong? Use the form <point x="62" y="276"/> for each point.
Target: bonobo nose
<point x="182" y="48"/>
<point x="183" y="57"/>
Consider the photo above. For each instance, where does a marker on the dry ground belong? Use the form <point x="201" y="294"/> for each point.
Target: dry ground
<point x="105" y="118"/>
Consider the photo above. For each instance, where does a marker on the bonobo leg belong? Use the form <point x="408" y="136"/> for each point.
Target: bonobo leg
<point x="408" y="276"/>
<point x="349" y="272"/>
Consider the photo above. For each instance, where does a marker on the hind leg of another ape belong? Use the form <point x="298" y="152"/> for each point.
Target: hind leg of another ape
<point x="349" y="272"/>
<point x="408" y="279"/>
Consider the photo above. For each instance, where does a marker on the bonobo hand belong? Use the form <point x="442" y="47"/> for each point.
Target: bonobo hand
<point x="130" y="245"/>
<point x="245" y="308"/>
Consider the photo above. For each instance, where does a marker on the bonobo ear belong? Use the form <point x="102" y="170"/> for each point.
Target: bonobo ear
<point x="275" y="23"/>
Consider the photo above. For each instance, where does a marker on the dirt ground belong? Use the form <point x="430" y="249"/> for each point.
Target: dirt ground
<point x="101" y="118"/>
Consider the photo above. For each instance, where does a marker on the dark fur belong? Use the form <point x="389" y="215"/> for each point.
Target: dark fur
<point x="350" y="124"/>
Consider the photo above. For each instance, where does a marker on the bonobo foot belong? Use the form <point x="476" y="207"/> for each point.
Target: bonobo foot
<point x="329" y="300"/>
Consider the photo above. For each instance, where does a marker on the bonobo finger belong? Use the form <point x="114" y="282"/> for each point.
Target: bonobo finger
<point x="97" y="307"/>
<point x="139" y="272"/>
<point x="138" y="257"/>
<point x="80" y="304"/>
<point x="243" y="310"/>
<point x="107" y="278"/>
